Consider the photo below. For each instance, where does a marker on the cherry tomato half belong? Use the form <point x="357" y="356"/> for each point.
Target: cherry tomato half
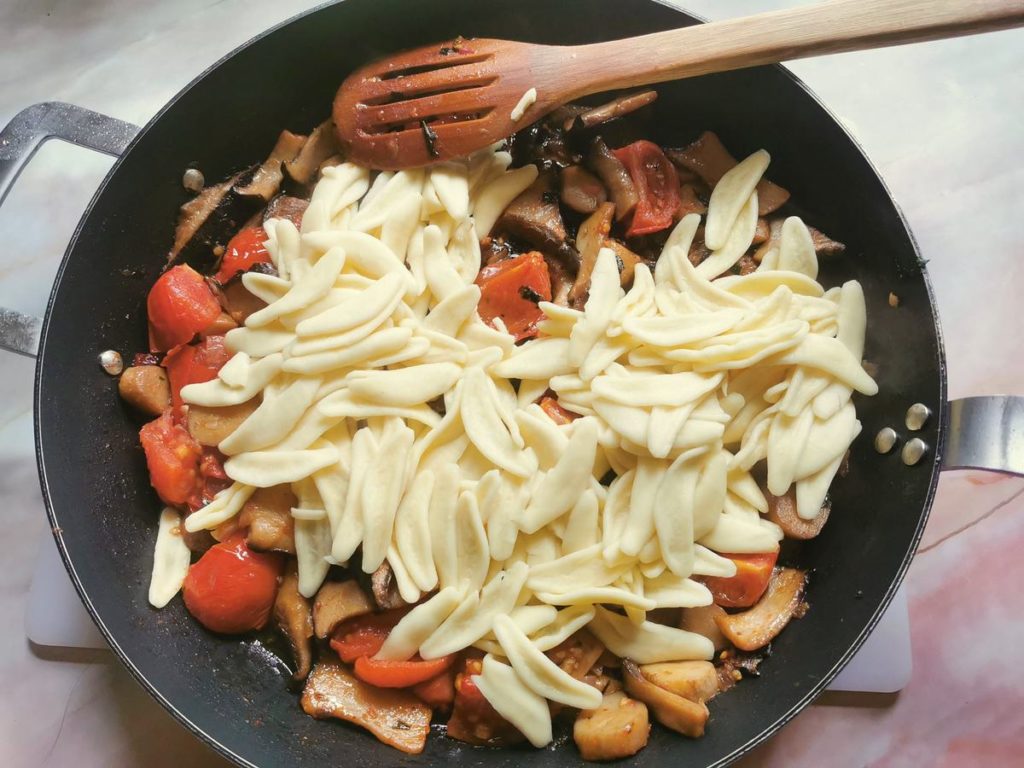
<point x="746" y="587"/>
<point x="243" y="251"/>
<point x="657" y="186"/>
<point x="180" y="305"/>
<point x="172" y="457"/>
<point x="511" y="289"/>
<point x="231" y="589"/>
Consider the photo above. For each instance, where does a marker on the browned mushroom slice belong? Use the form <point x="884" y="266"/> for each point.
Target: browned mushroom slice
<point x="294" y="619"/>
<point x="626" y="259"/>
<point x="268" y="516"/>
<point x="772" y="241"/>
<point x="534" y="216"/>
<point x="702" y="621"/>
<point x="618" y="728"/>
<point x="337" y="601"/>
<point x="385" y="588"/>
<point x="266" y="179"/>
<point x="671" y="710"/>
<point x="758" y="626"/>
<point x="761" y="232"/>
<point x="616" y="178"/>
<point x="693" y="680"/>
<point x="581" y="190"/>
<point x="209" y="426"/>
<point x="394" y="716"/>
<point x="220" y="325"/>
<point x="782" y="512"/>
<point x="286" y="207"/>
<point x="589" y="239"/>
<point x="145" y="387"/>
<point x="322" y="144"/>
<point x="825" y="245"/>
<point x="194" y="214"/>
<point x="709" y="159"/>
<point x="611" y="110"/>
<point x="238" y="301"/>
<point x="689" y="200"/>
<point x="577" y="654"/>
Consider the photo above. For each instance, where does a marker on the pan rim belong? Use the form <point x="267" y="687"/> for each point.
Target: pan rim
<point x="812" y="693"/>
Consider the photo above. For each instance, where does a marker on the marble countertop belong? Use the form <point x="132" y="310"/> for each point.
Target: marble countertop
<point x="943" y="123"/>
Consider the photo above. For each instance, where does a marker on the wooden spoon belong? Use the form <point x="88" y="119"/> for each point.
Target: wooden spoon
<point x="450" y="99"/>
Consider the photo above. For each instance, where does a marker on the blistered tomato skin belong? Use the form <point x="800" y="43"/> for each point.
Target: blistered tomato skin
<point x="180" y="305"/>
<point x="231" y="588"/>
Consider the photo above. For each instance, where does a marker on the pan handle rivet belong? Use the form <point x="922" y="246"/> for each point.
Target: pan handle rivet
<point x="917" y="416"/>
<point x="886" y="439"/>
<point x="193" y="180"/>
<point x="111" y="362"/>
<point x="914" y="451"/>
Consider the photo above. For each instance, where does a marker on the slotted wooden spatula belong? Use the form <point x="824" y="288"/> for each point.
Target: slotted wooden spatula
<point x="450" y="99"/>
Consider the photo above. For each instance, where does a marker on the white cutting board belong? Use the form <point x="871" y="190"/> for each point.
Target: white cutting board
<point x="56" y="617"/>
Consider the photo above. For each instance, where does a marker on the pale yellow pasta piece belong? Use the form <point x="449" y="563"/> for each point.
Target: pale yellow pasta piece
<point x="348" y="534"/>
<point x="448" y="316"/>
<point x="604" y="295"/>
<point x="225" y="505"/>
<point x="385" y="192"/>
<point x="677" y="246"/>
<point x="796" y="249"/>
<point x="275" y="417"/>
<point x="473" y="554"/>
<point x="733" y="533"/>
<point x="474" y="616"/>
<point x="313" y="286"/>
<point x="582" y="528"/>
<point x="514" y="701"/>
<point x="812" y="490"/>
<point x="536" y="359"/>
<point x="787" y="438"/>
<point x="669" y="590"/>
<point x="647" y="642"/>
<point x="568" y="622"/>
<point x="257" y="342"/>
<point x="741" y="235"/>
<point x="383" y="486"/>
<point x="539" y="673"/>
<point x="485" y="428"/>
<point x="493" y="198"/>
<point x="730" y="194"/>
<point x="171" y="557"/>
<point x="420" y="623"/>
<point x="583" y="568"/>
<point x="679" y="330"/>
<point x="216" y="394"/>
<point x="832" y="357"/>
<point x="610" y="595"/>
<point x="828" y="440"/>
<point x="451" y="183"/>
<point x="404" y="386"/>
<point x="673" y="508"/>
<point x="708" y="563"/>
<point x="313" y="542"/>
<point x="441" y="516"/>
<point x="640" y="524"/>
<point x="564" y="483"/>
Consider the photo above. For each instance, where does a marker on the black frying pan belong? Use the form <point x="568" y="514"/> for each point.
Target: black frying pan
<point x="93" y="473"/>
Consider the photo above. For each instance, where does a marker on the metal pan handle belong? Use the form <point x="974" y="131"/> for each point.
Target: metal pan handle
<point x="19" y="141"/>
<point x="986" y="433"/>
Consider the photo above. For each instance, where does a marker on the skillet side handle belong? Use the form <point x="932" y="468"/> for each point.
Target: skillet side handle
<point x="19" y="141"/>
<point x="986" y="433"/>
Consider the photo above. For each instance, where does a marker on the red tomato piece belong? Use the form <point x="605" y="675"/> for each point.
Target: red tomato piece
<point x="657" y="187"/>
<point x="364" y="635"/>
<point x="180" y="305"/>
<point x="555" y="412"/>
<point x="231" y="589"/>
<point x="746" y="587"/>
<point x="439" y="691"/>
<point x="242" y="252"/>
<point x="172" y="457"/>
<point x="194" y="364"/>
<point x="510" y="289"/>
<point x="400" y="674"/>
<point x="211" y="481"/>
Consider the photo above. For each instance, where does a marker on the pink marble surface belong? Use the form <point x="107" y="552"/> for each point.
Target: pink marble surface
<point x="942" y="121"/>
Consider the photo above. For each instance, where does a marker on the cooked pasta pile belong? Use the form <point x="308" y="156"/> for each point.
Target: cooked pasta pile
<point x="683" y="384"/>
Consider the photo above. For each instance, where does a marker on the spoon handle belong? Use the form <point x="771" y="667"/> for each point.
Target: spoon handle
<point x="829" y="27"/>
